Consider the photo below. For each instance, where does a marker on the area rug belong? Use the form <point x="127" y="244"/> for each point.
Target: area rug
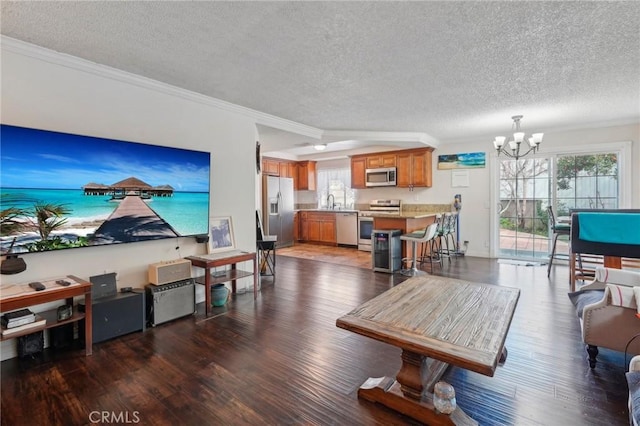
<point x="336" y="255"/>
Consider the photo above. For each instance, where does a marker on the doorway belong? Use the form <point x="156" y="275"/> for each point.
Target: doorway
<point x="565" y="181"/>
<point x="525" y="193"/>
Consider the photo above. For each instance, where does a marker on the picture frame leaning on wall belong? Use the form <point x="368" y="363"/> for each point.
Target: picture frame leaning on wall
<point x="221" y="236"/>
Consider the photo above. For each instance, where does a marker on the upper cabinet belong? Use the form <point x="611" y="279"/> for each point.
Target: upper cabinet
<point x="413" y="167"/>
<point x="377" y="161"/>
<point x="302" y="172"/>
<point x="270" y="166"/>
<point x="288" y="169"/>
<point x="306" y="171"/>
<point x="358" y="166"/>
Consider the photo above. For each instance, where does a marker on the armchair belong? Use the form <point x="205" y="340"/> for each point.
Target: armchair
<point x="605" y="320"/>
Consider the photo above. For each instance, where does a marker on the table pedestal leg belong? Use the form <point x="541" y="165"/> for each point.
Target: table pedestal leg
<point x="410" y="394"/>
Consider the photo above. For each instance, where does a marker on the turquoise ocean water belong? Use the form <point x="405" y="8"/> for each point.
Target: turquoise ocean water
<point x="186" y="212"/>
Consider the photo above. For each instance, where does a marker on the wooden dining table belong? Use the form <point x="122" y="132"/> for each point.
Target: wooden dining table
<point x="437" y="322"/>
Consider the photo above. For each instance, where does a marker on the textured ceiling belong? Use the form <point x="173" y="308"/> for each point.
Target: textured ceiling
<point x="451" y="70"/>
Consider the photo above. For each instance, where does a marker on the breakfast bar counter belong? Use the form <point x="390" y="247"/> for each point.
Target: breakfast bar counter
<point x="405" y="222"/>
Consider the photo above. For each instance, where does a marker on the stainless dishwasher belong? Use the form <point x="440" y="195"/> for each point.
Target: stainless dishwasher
<point x="347" y="228"/>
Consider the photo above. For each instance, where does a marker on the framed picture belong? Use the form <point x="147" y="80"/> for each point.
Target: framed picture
<point x="467" y="160"/>
<point x="221" y="234"/>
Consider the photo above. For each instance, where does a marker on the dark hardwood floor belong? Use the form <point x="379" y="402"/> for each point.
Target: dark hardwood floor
<point x="281" y="360"/>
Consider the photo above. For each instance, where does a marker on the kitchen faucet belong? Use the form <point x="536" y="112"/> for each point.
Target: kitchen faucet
<point x="331" y="206"/>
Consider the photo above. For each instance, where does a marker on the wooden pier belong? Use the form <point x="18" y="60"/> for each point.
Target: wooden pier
<point x="132" y="220"/>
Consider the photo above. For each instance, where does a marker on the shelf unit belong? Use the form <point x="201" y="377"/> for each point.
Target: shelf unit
<point x="230" y="258"/>
<point x="27" y="297"/>
<point x="229" y="275"/>
<point x="52" y="321"/>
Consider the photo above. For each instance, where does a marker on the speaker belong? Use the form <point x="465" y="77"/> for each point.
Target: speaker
<point x="170" y="301"/>
<point x="61" y="337"/>
<point x="116" y="316"/>
<point x="30" y="344"/>
<point x="169" y="271"/>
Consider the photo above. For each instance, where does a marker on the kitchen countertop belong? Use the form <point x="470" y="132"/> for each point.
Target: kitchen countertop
<point x="411" y="215"/>
<point x="402" y="215"/>
<point x="328" y="210"/>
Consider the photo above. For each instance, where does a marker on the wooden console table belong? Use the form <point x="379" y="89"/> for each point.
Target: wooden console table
<point x="19" y="296"/>
<point x="208" y="261"/>
<point x="436" y="322"/>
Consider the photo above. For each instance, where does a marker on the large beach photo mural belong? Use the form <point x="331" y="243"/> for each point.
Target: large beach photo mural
<point x="60" y="191"/>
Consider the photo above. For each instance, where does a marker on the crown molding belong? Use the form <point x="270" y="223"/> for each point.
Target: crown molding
<point x="62" y="59"/>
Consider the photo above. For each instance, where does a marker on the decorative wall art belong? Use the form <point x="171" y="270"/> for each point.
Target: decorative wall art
<point x="87" y="188"/>
<point x="468" y="160"/>
<point x="221" y="236"/>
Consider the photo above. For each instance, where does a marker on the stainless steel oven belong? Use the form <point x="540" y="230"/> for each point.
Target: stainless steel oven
<point x="365" y="229"/>
<point x="365" y="219"/>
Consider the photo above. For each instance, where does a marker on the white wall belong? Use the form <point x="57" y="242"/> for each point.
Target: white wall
<point x="59" y="93"/>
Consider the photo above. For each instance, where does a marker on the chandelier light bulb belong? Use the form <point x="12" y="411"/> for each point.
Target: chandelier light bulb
<point x="518" y="137"/>
<point x="537" y="137"/>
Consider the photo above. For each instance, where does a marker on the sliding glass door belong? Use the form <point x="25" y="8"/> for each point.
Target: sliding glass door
<point x="563" y="181"/>
<point x="525" y="192"/>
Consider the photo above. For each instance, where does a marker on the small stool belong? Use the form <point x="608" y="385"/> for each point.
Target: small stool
<point x="417" y="237"/>
<point x="267" y="255"/>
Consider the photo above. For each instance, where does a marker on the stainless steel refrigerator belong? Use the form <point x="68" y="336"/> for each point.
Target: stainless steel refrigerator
<point x="277" y="209"/>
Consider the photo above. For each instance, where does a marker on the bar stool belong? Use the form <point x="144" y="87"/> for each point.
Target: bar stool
<point x="434" y="250"/>
<point x="444" y="221"/>
<point x="417" y="237"/>
<point x="558" y="229"/>
<point x="451" y="234"/>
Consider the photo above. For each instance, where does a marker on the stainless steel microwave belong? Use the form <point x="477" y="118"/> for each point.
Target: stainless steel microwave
<point x="380" y="177"/>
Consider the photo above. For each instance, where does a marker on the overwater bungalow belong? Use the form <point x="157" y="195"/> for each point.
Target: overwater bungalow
<point x="97" y="189"/>
<point x="129" y="186"/>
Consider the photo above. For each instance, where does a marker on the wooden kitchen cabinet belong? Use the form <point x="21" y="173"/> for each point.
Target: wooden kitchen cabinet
<point x="282" y="168"/>
<point x="358" y="167"/>
<point x="313" y="227"/>
<point x="288" y="169"/>
<point x="270" y="166"/>
<point x="414" y="168"/>
<point x="328" y="231"/>
<point x="381" y="160"/>
<point x="319" y="227"/>
<point x="306" y="171"/>
<point x="296" y="227"/>
<point x="303" y="226"/>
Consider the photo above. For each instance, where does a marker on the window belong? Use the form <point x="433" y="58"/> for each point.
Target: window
<point x="335" y="182"/>
<point x="587" y="181"/>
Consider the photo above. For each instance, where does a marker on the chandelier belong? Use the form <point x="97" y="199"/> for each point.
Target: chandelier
<point x="512" y="148"/>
